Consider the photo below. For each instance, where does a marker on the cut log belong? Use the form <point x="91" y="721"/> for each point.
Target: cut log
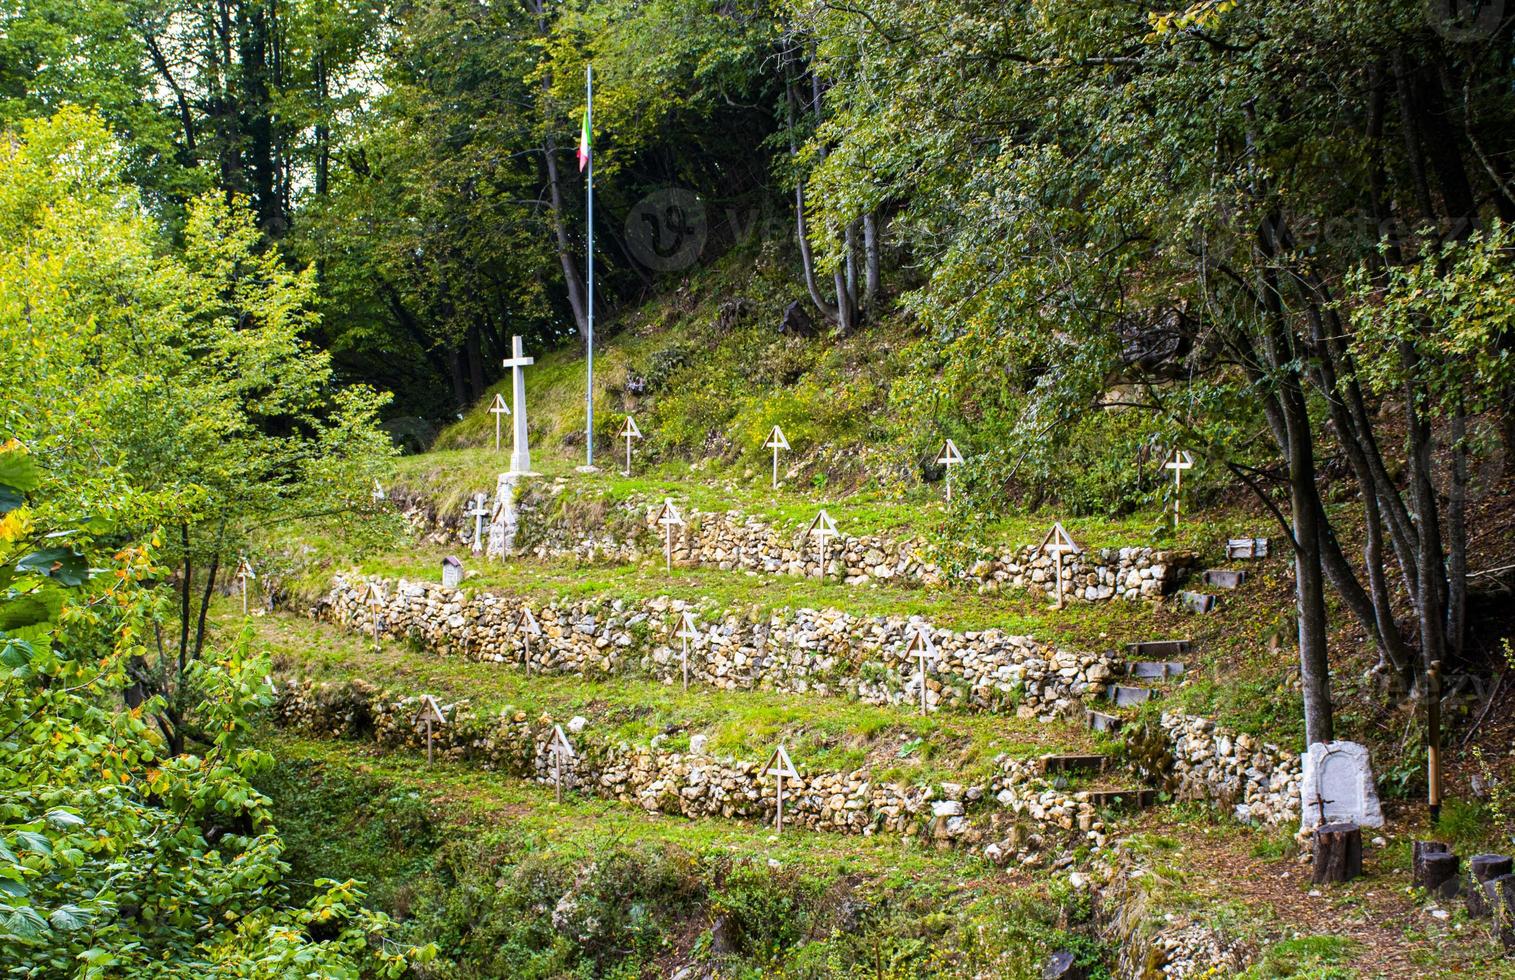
<point x="1501" y="892"/>
<point x="1482" y="869"/>
<point x="1437" y="873"/>
<point x="1062" y="966"/>
<point x="1338" y="852"/>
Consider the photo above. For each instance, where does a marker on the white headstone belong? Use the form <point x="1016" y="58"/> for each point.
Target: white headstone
<point x="452" y="572"/>
<point x="520" y="458"/>
<point x="1338" y="786"/>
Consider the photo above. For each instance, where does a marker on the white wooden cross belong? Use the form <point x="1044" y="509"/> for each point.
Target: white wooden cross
<point x="823" y="529"/>
<point x="688" y="635"/>
<point x="1178" y="461"/>
<point x="560" y="749"/>
<point x="629" y="431"/>
<point x="948" y="458"/>
<point x="498" y="409"/>
<point x="430" y="714"/>
<point x="669" y="517"/>
<point x="776" y="441"/>
<point x="923" y="650"/>
<point x="779" y="766"/>
<point x="478" y="513"/>
<point x="1058" y="543"/>
<point x="245" y="575"/>
<point x="527" y="627"/>
<point x="373" y="597"/>
<point x="520" y="459"/>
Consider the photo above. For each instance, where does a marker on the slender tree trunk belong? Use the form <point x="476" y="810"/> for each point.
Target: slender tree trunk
<point x="870" y="261"/>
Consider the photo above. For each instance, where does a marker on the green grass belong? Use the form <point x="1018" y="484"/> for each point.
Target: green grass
<point x="1305" y="958"/>
<point x="823" y="733"/>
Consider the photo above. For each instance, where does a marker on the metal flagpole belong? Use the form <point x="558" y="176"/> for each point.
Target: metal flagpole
<point x="589" y="381"/>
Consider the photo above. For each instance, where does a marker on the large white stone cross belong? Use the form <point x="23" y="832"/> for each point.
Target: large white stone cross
<point x="688" y="634"/>
<point x="520" y="459"/>
<point x="478" y="513"/>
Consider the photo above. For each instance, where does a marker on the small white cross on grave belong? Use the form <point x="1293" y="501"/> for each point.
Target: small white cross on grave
<point x="629" y="431"/>
<point x="520" y="459"/>
<point x="823" y="529"/>
<point x="948" y="458"/>
<point x="669" y="516"/>
<point x="776" y="441"/>
<point x="429" y="715"/>
<point x="923" y="651"/>
<point x="779" y="766"/>
<point x="1058" y="543"/>
<point x="245" y="575"/>
<point x="688" y="635"/>
<point x="1178" y="461"/>
<point x="526" y="627"/>
<point x="498" y="409"/>
<point x="561" y="750"/>
<point x="379" y="496"/>
<point x="372" y="596"/>
<point x="478" y="513"/>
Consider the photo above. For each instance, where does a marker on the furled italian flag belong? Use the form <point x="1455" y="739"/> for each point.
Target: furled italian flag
<point x="584" y="142"/>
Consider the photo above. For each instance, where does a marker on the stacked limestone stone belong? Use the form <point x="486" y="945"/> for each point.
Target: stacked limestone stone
<point x="696" y="784"/>
<point x="732" y="541"/>
<point x="1258" y="779"/>
<point x="819" y="651"/>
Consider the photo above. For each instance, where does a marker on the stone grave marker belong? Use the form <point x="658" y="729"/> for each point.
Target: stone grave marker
<point x="520" y="457"/>
<point x="497" y="522"/>
<point x="629" y="431"/>
<point x="923" y="651"/>
<point x="478" y="512"/>
<point x="688" y="635"/>
<point x="776" y="441"/>
<point x="948" y="458"/>
<point x="498" y="409"/>
<point x="780" y="767"/>
<point x="822" y="529"/>
<point x="669" y="517"/>
<point x="526" y="626"/>
<point x="1338" y="787"/>
<point x="245" y="575"/>
<point x="1178" y="461"/>
<point x="429" y="715"/>
<point x="561" y="751"/>
<point x="1246" y="547"/>
<point x="1058" y="543"/>
<point x="452" y="572"/>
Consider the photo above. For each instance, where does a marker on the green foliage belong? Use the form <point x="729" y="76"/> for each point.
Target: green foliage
<point x="120" y="856"/>
<point x="1304" y="958"/>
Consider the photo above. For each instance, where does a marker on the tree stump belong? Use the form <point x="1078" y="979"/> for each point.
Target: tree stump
<point x="1482" y="869"/>
<point x="1436" y="868"/>
<point x="1061" y="966"/>
<point x="1501" y="895"/>
<point x="1338" y="852"/>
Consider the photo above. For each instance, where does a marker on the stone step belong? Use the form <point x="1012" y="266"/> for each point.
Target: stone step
<point x="1101" y="722"/>
<point x="1074" y="763"/>
<point x="1223" y="578"/>
<point x="1136" y="798"/>
<point x="1197" y="602"/>
<point x="1247" y="548"/>
<point x="1148" y="670"/>
<point x="1130" y="697"/>
<point x="1157" y="649"/>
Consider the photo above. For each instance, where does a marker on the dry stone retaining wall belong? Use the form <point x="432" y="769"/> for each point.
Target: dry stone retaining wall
<point x="821" y="651"/>
<point x="732" y="541"/>
<point x="1258" y="780"/>
<point x="992" y="817"/>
